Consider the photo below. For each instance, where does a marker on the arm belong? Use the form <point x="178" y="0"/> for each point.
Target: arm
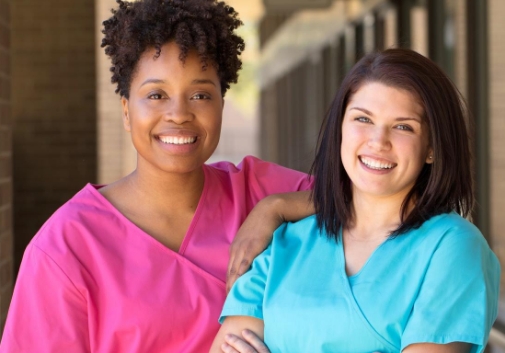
<point x="256" y="232"/>
<point x="229" y="338"/>
<point x="458" y="297"/>
<point x="47" y="312"/>
<point x="455" y="347"/>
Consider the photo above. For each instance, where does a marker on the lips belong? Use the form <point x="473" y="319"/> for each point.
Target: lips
<point x="177" y="137"/>
<point x="376" y="164"/>
<point x="177" y="140"/>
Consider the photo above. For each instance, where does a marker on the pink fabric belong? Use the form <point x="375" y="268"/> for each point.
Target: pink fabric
<point x="91" y="281"/>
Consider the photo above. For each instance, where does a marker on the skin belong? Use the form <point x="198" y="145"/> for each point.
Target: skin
<point x="385" y="144"/>
<point x="230" y="338"/>
<point x="384" y="129"/>
<point x="395" y="135"/>
<point x="256" y="231"/>
<point x="168" y="100"/>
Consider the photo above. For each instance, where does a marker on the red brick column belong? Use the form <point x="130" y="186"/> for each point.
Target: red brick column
<point x="53" y="108"/>
<point x="6" y="234"/>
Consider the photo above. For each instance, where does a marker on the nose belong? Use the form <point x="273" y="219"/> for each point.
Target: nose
<point x="379" y="139"/>
<point x="178" y="111"/>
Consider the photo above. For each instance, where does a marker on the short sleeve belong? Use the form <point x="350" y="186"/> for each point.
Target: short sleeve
<point x="47" y="312"/>
<point x="458" y="299"/>
<point x="246" y="296"/>
<point x="264" y="178"/>
<point x="274" y="178"/>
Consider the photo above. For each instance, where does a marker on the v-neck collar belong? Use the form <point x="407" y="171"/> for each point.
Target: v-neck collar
<point x="346" y="287"/>
<point x="187" y="237"/>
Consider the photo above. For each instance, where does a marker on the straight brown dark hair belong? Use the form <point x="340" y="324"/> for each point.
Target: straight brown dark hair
<point x="444" y="186"/>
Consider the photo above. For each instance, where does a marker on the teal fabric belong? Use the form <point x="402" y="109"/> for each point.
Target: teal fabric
<point x="438" y="283"/>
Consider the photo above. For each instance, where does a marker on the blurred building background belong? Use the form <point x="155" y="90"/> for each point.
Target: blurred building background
<point x="60" y="121"/>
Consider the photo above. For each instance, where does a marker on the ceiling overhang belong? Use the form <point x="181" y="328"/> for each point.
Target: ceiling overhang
<point x="294" y="5"/>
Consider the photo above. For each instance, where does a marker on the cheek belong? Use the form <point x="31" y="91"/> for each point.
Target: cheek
<point x="218" y="124"/>
<point x="347" y="151"/>
<point x="351" y="139"/>
<point x="213" y="123"/>
<point x="413" y="152"/>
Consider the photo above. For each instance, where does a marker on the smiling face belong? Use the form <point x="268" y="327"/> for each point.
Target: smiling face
<point x="174" y="111"/>
<point x="385" y="141"/>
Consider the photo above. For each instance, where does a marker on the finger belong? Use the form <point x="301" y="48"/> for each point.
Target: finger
<point x="226" y="348"/>
<point x="236" y="252"/>
<point x="231" y="273"/>
<point x="230" y="281"/>
<point x="244" y="264"/>
<point x="236" y="271"/>
<point x="256" y="342"/>
<point x="238" y="344"/>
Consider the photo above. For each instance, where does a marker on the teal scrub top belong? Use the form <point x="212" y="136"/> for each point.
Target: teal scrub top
<point x="438" y="283"/>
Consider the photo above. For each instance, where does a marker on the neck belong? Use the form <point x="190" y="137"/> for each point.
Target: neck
<point x="167" y="191"/>
<point x="375" y="218"/>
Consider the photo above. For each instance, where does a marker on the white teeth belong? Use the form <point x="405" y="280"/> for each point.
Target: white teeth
<point x="174" y="140"/>
<point x="371" y="163"/>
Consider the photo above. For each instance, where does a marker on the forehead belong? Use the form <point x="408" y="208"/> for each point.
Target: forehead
<point x="382" y="98"/>
<point x="168" y="63"/>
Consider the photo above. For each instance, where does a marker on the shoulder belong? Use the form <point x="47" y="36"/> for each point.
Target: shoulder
<point x="457" y="276"/>
<point x="78" y="216"/>
<point x="450" y="221"/>
<point x="257" y="177"/>
<point x="71" y="238"/>
<point x="253" y="165"/>
<point x="298" y="228"/>
<point x="302" y="234"/>
<point x="451" y="228"/>
<point x="453" y="239"/>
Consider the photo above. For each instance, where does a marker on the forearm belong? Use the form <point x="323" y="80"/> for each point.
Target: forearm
<point x="256" y="231"/>
<point x="232" y="327"/>
<point x="273" y="210"/>
<point x="289" y="207"/>
<point x="454" y="347"/>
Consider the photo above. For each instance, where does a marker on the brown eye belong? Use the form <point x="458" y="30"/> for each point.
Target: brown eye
<point x="155" y="96"/>
<point x="404" y="127"/>
<point x="200" y="96"/>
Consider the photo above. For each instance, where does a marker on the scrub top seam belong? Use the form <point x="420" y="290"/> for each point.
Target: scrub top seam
<point x="352" y="299"/>
<point x="198" y="212"/>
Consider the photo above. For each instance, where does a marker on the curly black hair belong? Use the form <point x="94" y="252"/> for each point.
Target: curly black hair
<point x="206" y="26"/>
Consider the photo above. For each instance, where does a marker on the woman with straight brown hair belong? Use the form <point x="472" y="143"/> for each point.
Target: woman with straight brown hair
<point x="389" y="263"/>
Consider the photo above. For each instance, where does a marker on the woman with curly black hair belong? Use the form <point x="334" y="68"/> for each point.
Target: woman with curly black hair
<point x="140" y="265"/>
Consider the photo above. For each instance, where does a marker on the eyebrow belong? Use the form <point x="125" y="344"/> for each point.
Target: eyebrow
<point x="366" y="111"/>
<point x="152" y="80"/>
<point x="194" y="82"/>
<point x="203" y="81"/>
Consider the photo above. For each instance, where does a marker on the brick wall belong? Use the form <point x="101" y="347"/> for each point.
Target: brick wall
<point x="6" y="272"/>
<point x="53" y="108"/>
<point x="116" y="155"/>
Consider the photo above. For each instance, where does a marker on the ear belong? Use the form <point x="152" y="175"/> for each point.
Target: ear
<point x="126" y="114"/>
<point x="430" y="157"/>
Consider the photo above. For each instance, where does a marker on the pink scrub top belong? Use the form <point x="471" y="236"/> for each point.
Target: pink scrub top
<point x="92" y="281"/>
